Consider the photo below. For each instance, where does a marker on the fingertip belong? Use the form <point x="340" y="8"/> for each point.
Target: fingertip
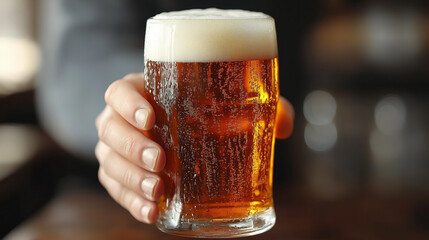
<point x="283" y="132"/>
<point x="154" y="159"/>
<point x="288" y="106"/>
<point x="153" y="214"/>
<point x="162" y="160"/>
<point x="149" y="213"/>
<point x="142" y="118"/>
<point x="158" y="190"/>
<point x="285" y="119"/>
<point x="150" y="117"/>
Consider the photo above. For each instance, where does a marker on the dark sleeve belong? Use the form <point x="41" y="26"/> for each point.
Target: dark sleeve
<point x="86" y="45"/>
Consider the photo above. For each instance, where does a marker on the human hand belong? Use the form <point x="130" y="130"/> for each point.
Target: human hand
<point x="129" y="160"/>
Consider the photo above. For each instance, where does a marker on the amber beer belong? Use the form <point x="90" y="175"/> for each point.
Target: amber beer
<point x="212" y="77"/>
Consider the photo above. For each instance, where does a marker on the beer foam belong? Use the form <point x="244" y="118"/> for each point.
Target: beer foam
<point x="207" y="35"/>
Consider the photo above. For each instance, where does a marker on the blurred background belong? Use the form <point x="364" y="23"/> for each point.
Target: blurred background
<point x="357" y="73"/>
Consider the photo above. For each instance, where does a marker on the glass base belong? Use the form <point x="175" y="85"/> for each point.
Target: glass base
<point x="228" y="228"/>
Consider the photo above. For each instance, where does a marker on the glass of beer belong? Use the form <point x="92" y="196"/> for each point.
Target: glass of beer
<point x="212" y="78"/>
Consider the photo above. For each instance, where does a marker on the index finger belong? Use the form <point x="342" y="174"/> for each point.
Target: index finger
<point x="124" y="97"/>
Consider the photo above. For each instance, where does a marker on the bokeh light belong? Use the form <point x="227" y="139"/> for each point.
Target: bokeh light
<point x="319" y="107"/>
<point x="320" y="133"/>
<point x="19" y="61"/>
<point x="390" y="115"/>
<point x="320" y="137"/>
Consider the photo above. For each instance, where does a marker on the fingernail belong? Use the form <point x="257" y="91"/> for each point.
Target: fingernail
<point x="148" y="185"/>
<point x="145" y="213"/>
<point x="141" y="116"/>
<point x="150" y="157"/>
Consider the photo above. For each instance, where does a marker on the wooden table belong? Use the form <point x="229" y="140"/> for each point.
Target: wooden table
<point x="89" y="213"/>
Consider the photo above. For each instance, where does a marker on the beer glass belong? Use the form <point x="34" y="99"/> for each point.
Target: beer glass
<point x="212" y="78"/>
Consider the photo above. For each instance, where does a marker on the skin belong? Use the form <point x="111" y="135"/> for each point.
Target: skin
<point x="128" y="160"/>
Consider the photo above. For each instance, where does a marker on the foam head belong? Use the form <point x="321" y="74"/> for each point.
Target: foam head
<point x="208" y="35"/>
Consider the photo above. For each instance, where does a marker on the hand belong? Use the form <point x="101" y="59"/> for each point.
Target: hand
<point x="129" y="160"/>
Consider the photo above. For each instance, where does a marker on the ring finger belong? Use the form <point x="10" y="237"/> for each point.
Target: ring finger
<point x="129" y="175"/>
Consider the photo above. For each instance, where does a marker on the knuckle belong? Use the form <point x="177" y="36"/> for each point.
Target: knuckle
<point x="100" y="176"/>
<point x="124" y="197"/>
<point x="121" y="195"/>
<point x="104" y="127"/>
<point x="132" y="75"/>
<point x="98" y="121"/>
<point x="101" y="116"/>
<point x="111" y="90"/>
<point x="128" y="178"/>
<point x="130" y="143"/>
<point x="102" y="153"/>
<point x="97" y="152"/>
